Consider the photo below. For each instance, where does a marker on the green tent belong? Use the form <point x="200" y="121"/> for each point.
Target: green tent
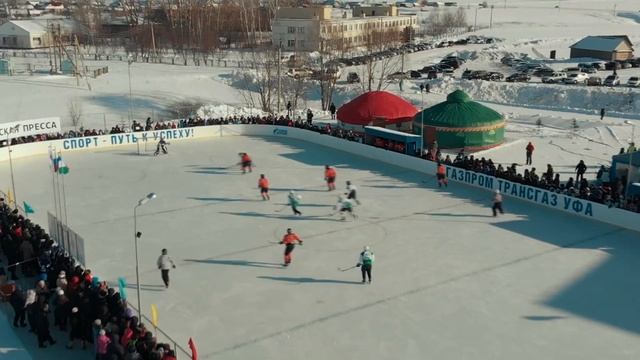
<point x="460" y="122"/>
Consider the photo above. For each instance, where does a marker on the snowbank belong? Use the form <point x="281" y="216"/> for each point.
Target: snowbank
<point x="625" y="101"/>
<point x="217" y="111"/>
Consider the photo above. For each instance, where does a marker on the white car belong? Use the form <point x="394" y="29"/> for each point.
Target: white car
<point x="580" y="78"/>
<point x="633" y="81"/>
<point x="299" y="73"/>
<point x="554" y="78"/>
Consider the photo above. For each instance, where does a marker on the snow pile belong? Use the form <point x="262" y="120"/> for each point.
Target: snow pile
<point x="218" y="111"/>
<point x="621" y="101"/>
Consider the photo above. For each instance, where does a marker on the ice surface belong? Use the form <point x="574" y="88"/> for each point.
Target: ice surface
<point x="450" y="281"/>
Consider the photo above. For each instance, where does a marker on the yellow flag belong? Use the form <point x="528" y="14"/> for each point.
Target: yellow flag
<point x="154" y="315"/>
<point x="10" y="200"/>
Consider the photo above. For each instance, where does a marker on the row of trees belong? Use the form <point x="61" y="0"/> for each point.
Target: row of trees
<point x="445" y="22"/>
<point x="263" y="88"/>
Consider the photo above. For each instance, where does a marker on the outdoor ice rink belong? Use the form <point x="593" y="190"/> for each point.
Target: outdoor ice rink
<point x="450" y="281"/>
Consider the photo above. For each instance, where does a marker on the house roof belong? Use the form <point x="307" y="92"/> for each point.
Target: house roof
<point x="28" y="25"/>
<point x="602" y="43"/>
<point x="459" y="111"/>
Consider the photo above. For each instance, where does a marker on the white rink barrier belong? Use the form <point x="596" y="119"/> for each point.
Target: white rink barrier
<point x="571" y="205"/>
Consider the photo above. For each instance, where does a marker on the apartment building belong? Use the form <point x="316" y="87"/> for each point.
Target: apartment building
<point x="310" y="28"/>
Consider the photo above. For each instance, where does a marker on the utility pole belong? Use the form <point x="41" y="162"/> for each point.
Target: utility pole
<point x="491" y="18"/>
<point x="279" y="79"/>
<point x="475" y="20"/>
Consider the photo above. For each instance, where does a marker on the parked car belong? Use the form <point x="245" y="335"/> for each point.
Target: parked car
<point x="518" y="77"/>
<point x="580" y="78"/>
<point x="625" y="65"/>
<point x="432" y="75"/>
<point x="594" y="81"/>
<point x="612" y="80"/>
<point x="466" y="75"/>
<point x="428" y="68"/>
<point x="598" y="65"/>
<point x="542" y="72"/>
<point x="453" y="63"/>
<point x="554" y="78"/>
<point x="478" y="74"/>
<point x="397" y="76"/>
<point x="353" y="78"/>
<point x="612" y="65"/>
<point x="633" y="81"/>
<point x="299" y="73"/>
<point x="444" y="68"/>
<point x="572" y="70"/>
<point x="493" y="76"/>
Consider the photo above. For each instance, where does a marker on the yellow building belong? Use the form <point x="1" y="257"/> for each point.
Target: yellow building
<point x="306" y="29"/>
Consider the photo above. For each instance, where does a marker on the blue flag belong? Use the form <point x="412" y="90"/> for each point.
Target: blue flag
<point x="122" y="284"/>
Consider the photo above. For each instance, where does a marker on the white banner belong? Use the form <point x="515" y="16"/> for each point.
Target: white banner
<point x="50" y="125"/>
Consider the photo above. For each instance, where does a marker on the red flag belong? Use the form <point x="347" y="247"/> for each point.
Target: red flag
<point x="194" y="351"/>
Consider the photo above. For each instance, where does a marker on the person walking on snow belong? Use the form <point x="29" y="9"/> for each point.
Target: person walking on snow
<point x="289" y="240"/>
<point x="245" y="162"/>
<point x="332" y="110"/>
<point x="365" y="263"/>
<point x="263" y="185"/>
<point x="497" y="203"/>
<point x="581" y="168"/>
<point x="351" y="192"/>
<point x="345" y="205"/>
<point x="330" y="177"/>
<point x="294" y="201"/>
<point x="602" y="114"/>
<point x="165" y="263"/>
<point x="529" y="149"/>
<point x="441" y="175"/>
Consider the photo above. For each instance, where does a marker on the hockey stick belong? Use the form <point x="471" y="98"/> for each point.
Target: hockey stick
<point x="348" y="268"/>
<point x="282" y="208"/>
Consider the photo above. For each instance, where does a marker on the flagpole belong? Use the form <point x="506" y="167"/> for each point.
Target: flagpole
<point x="59" y="207"/>
<point x="52" y="157"/>
<point x="13" y="184"/>
<point x="64" y="199"/>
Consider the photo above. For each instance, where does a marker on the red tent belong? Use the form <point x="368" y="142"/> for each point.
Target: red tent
<point x="376" y="108"/>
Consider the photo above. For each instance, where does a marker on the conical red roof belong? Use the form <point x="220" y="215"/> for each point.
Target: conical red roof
<point x="375" y="106"/>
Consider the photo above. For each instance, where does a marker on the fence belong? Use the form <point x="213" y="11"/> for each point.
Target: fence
<point x="67" y="239"/>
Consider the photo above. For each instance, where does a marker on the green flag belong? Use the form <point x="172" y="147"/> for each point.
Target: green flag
<point x="27" y="208"/>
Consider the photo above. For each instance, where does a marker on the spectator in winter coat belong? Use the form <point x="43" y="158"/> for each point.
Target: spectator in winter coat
<point x="332" y="110"/>
<point x="529" y="150"/>
<point x="581" y="168"/>
<point x="42" y="328"/>
<point x="77" y="329"/>
<point x="17" y="302"/>
<point x="102" y="343"/>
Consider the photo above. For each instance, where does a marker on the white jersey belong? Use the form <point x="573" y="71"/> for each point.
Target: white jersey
<point x="351" y="187"/>
<point x="165" y="262"/>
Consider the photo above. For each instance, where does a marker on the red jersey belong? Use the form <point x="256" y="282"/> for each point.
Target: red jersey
<point x="530" y="147"/>
<point x="246" y="158"/>
<point x="263" y="183"/>
<point x="290" y="239"/>
<point x="442" y="170"/>
<point x="330" y="173"/>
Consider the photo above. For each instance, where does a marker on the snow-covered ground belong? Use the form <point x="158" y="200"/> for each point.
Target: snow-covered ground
<point x="450" y="281"/>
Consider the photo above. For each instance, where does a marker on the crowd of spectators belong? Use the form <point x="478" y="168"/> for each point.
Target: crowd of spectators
<point x="68" y="297"/>
<point x="602" y="190"/>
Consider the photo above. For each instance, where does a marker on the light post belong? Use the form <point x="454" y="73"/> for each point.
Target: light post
<point x="137" y="235"/>
<point x="632" y="142"/>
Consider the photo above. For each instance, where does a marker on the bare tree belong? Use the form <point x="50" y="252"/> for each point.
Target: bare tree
<point x="374" y="74"/>
<point x="75" y="113"/>
<point x="259" y="85"/>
